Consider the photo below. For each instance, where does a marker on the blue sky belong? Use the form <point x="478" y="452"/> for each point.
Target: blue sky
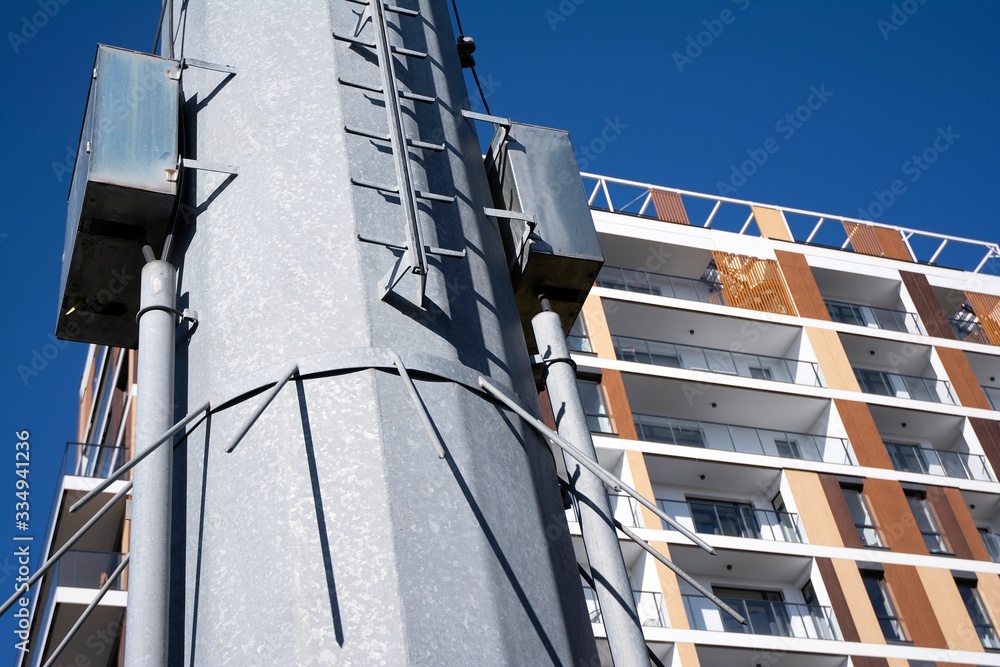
<point x="683" y="89"/>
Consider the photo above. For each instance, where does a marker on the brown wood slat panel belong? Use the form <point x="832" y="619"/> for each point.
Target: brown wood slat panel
<point x="988" y="432"/>
<point x="841" y="513"/>
<point x="913" y="606"/>
<point x="948" y="522"/>
<point x="932" y="316"/>
<point x="621" y="413"/>
<point x="546" y="404"/>
<point x="752" y="282"/>
<point x="949" y="610"/>
<point x="863" y="239"/>
<point x="893" y="517"/>
<point x="963" y="379"/>
<point x="841" y="610"/>
<point x="987" y="309"/>
<point x="669" y="207"/>
<point x="863" y="434"/>
<point x="892" y="244"/>
<point x="970" y="534"/>
<point x="771" y="223"/>
<point x="868" y="661"/>
<point x="802" y="284"/>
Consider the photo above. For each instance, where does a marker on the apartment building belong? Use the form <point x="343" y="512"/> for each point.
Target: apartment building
<point x="815" y="397"/>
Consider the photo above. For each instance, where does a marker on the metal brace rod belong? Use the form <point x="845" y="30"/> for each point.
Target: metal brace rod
<point x="511" y="215"/>
<point x="201" y="64"/>
<point x="26" y="586"/>
<point x="608" y="478"/>
<point x="431" y="250"/>
<point x="419" y="404"/>
<point x="260" y="409"/>
<point x="486" y="118"/>
<point x="188" y="163"/>
<point x="124" y="468"/>
<point x="86" y="612"/>
<point x="679" y="572"/>
<point x="389" y="8"/>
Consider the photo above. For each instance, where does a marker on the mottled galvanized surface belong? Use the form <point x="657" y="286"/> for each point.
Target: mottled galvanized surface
<point x="334" y="534"/>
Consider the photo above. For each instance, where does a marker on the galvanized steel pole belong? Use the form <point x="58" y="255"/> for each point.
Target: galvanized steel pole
<point x="611" y="580"/>
<point x="149" y="584"/>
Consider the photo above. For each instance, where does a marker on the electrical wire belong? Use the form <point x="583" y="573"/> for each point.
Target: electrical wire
<point x="475" y="76"/>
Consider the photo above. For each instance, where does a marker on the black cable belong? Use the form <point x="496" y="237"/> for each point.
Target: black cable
<point x="479" y="86"/>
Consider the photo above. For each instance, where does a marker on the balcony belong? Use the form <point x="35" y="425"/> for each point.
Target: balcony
<point x="88" y="460"/>
<point x="992" y="542"/>
<point x="691" y="357"/>
<point x="649" y="604"/>
<point x="764" y="617"/>
<point x="884" y="383"/>
<point x="875" y="317"/>
<point x="993" y="396"/>
<point x="88" y="569"/>
<point x="733" y="521"/>
<point x="969" y="330"/>
<point x="743" y="439"/>
<point x="659" y="284"/>
<point x="928" y="461"/>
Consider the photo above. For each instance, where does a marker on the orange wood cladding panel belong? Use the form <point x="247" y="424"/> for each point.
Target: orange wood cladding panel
<point x="913" y="606"/>
<point x="966" y="525"/>
<point x="771" y="223"/>
<point x="669" y="207"/>
<point x="988" y="432"/>
<point x="832" y="358"/>
<point x="948" y="522"/>
<point x="817" y="519"/>
<point x="963" y="378"/>
<point x="932" y="316"/>
<point x="621" y="413"/>
<point x="752" y="282"/>
<point x="893" y="516"/>
<point x="841" y="513"/>
<point x="546" y="405"/>
<point x="987" y="309"/>
<point x="876" y="241"/>
<point x="951" y="616"/>
<point x="597" y="327"/>
<point x="863" y="434"/>
<point x="841" y="610"/>
<point x="869" y="661"/>
<point x="989" y="591"/>
<point x="802" y="284"/>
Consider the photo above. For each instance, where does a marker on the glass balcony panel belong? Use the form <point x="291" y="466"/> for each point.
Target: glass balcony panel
<point x="992" y="542"/>
<point x="89" y="460"/>
<point x="735" y="521"/>
<point x="993" y="395"/>
<point x="88" y="569"/>
<point x="649" y="604"/>
<point x="924" y="460"/>
<point x="885" y="383"/>
<point x="763" y="617"/>
<point x="872" y="316"/>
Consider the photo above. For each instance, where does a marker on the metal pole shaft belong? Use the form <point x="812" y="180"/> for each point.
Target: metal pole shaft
<point x="149" y="585"/>
<point x="611" y="580"/>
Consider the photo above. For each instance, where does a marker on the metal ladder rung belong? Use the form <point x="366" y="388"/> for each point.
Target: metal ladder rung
<point x="419" y="194"/>
<point x="412" y="143"/>
<point x="426" y="99"/>
<point x="352" y="40"/>
<point x="399" y="50"/>
<point x="390" y="8"/>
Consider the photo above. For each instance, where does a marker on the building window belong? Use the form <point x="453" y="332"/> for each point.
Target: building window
<point x="992" y="543"/>
<point x="977" y="613"/>
<point x="875" y="382"/>
<point x="765" y="611"/>
<point x="862" y="517"/>
<point x="926" y="523"/>
<point x="788" y="448"/>
<point x="845" y="313"/>
<point x="760" y="373"/>
<point x="578" y="340"/>
<point x="885" y="612"/>
<point x="906" y="458"/>
<point x="722" y="517"/>
<point x="595" y="407"/>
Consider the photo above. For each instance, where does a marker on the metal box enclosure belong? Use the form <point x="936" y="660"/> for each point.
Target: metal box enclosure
<point x="533" y="170"/>
<point x="122" y="194"/>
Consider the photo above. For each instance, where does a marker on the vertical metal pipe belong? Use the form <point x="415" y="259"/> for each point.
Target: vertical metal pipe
<point x="149" y="585"/>
<point x="611" y="581"/>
